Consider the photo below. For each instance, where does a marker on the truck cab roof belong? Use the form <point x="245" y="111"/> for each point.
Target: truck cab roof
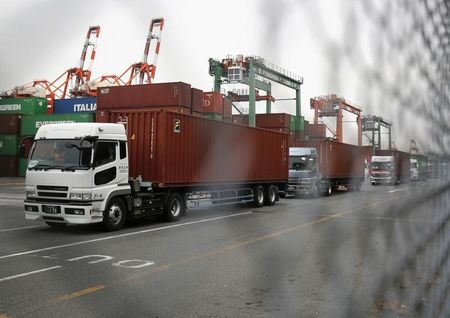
<point x="301" y="151"/>
<point x="79" y="130"/>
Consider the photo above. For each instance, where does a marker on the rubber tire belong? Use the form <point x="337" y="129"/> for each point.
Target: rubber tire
<point x="270" y="195"/>
<point x="171" y="212"/>
<point x="258" y="196"/>
<point x="329" y="190"/>
<point x="113" y="225"/>
<point x="55" y="225"/>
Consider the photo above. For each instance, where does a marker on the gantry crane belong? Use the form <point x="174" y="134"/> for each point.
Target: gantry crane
<point x="72" y="78"/>
<point x="371" y="123"/>
<point x="333" y="106"/>
<point x="257" y="73"/>
<point x="137" y="73"/>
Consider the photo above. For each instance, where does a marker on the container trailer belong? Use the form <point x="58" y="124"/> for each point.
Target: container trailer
<point x="133" y="164"/>
<point x="390" y="166"/>
<point x="321" y="166"/>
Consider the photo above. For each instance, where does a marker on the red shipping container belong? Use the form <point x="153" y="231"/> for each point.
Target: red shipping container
<point x="148" y="95"/>
<point x="213" y="103"/>
<point x="102" y="116"/>
<point x="338" y="160"/>
<point x="315" y="130"/>
<point x="9" y="164"/>
<point x="278" y="129"/>
<point x="240" y="119"/>
<point x="197" y="100"/>
<point x="227" y="108"/>
<point x="274" y="120"/>
<point x="183" y="150"/>
<point x="10" y="124"/>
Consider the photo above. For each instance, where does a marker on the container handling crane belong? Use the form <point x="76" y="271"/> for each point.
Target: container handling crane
<point x="371" y="123"/>
<point x="333" y="106"/>
<point x="72" y="78"/>
<point x="257" y="73"/>
<point x="137" y="73"/>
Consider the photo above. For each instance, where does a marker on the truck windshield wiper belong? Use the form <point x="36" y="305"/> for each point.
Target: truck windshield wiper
<point x="73" y="168"/>
<point x="41" y="166"/>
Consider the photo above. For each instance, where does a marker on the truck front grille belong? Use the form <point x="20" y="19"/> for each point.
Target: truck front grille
<point x="53" y="194"/>
<point x="52" y="188"/>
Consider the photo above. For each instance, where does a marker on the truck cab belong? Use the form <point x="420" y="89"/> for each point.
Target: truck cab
<point x="74" y="173"/>
<point x="382" y="170"/>
<point x="304" y="175"/>
<point x="414" y="168"/>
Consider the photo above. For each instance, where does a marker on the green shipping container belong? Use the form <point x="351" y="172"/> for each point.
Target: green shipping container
<point x="23" y="106"/>
<point x="9" y="144"/>
<point x="23" y="163"/>
<point x="31" y="124"/>
<point x="297" y="123"/>
<point x="213" y="116"/>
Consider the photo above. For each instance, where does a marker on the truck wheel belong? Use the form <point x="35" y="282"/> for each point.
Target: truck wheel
<point x="258" y="196"/>
<point x="270" y="195"/>
<point x="329" y="189"/>
<point x="114" y="215"/>
<point x="174" y="207"/>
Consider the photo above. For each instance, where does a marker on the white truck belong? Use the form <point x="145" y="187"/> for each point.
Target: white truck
<point x="382" y="170"/>
<point x="414" y="168"/>
<point x="85" y="173"/>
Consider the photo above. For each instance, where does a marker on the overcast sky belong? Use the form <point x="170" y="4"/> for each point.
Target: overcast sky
<point x="334" y="45"/>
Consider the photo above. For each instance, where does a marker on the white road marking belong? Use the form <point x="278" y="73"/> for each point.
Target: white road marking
<point x="29" y="273"/>
<point x="396" y="190"/>
<point x="102" y="258"/>
<point x="143" y="263"/>
<point x="21" y="228"/>
<point x="124" y="235"/>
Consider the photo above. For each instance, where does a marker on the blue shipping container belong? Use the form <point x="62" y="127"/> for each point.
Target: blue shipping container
<point x="75" y="105"/>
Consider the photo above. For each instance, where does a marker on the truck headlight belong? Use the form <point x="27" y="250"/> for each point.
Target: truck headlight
<point x="80" y="196"/>
<point x="30" y="193"/>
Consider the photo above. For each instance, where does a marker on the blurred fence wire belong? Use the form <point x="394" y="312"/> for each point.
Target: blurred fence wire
<point x="403" y="67"/>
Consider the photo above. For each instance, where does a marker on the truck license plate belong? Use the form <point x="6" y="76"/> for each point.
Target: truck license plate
<point x="50" y="209"/>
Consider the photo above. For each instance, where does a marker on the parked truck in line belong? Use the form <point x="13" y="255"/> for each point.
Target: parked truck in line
<point x="419" y="167"/>
<point x="151" y="163"/>
<point x="390" y="166"/>
<point x="324" y="165"/>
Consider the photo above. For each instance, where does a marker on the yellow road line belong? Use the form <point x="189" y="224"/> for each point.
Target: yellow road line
<point x="80" y="293"/>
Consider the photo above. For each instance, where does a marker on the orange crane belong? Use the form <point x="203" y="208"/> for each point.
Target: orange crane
<point x="137" y="73"/>
<point x="333" y="106"/>
<point x="71" y="78"/>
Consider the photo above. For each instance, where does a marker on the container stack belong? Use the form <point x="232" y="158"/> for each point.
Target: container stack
<point x="12" y="112"/>
<point x="217" y="107"/>
<point x="315" y="131"/>
<point x="281" y="122"/>
<point x="20" y="118"/>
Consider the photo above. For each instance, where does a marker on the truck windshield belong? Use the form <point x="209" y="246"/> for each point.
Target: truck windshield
<point x="301" y="162"/>
<point x="381" y="165"/>
<point x="60" y="153"/>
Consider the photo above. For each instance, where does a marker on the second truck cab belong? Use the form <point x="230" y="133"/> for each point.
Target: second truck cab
<point x="382" y="170"/>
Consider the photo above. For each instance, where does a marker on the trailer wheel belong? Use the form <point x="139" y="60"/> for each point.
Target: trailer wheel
<point x="258" y="196"/>
<point x="174" y="207"/>
<point x="270" y="195"/>
<point x="114" y="215"/>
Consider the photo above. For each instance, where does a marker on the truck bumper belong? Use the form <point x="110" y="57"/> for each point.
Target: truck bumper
<point x="381" y="179"/>
<point x="299" y="189"/>
<point x="82" y="213"/>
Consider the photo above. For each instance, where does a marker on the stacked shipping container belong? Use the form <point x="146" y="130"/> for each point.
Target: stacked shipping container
<point x="20" y="118"/>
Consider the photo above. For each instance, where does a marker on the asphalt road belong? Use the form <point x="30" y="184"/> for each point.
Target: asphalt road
<point x="335" y="256"/>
